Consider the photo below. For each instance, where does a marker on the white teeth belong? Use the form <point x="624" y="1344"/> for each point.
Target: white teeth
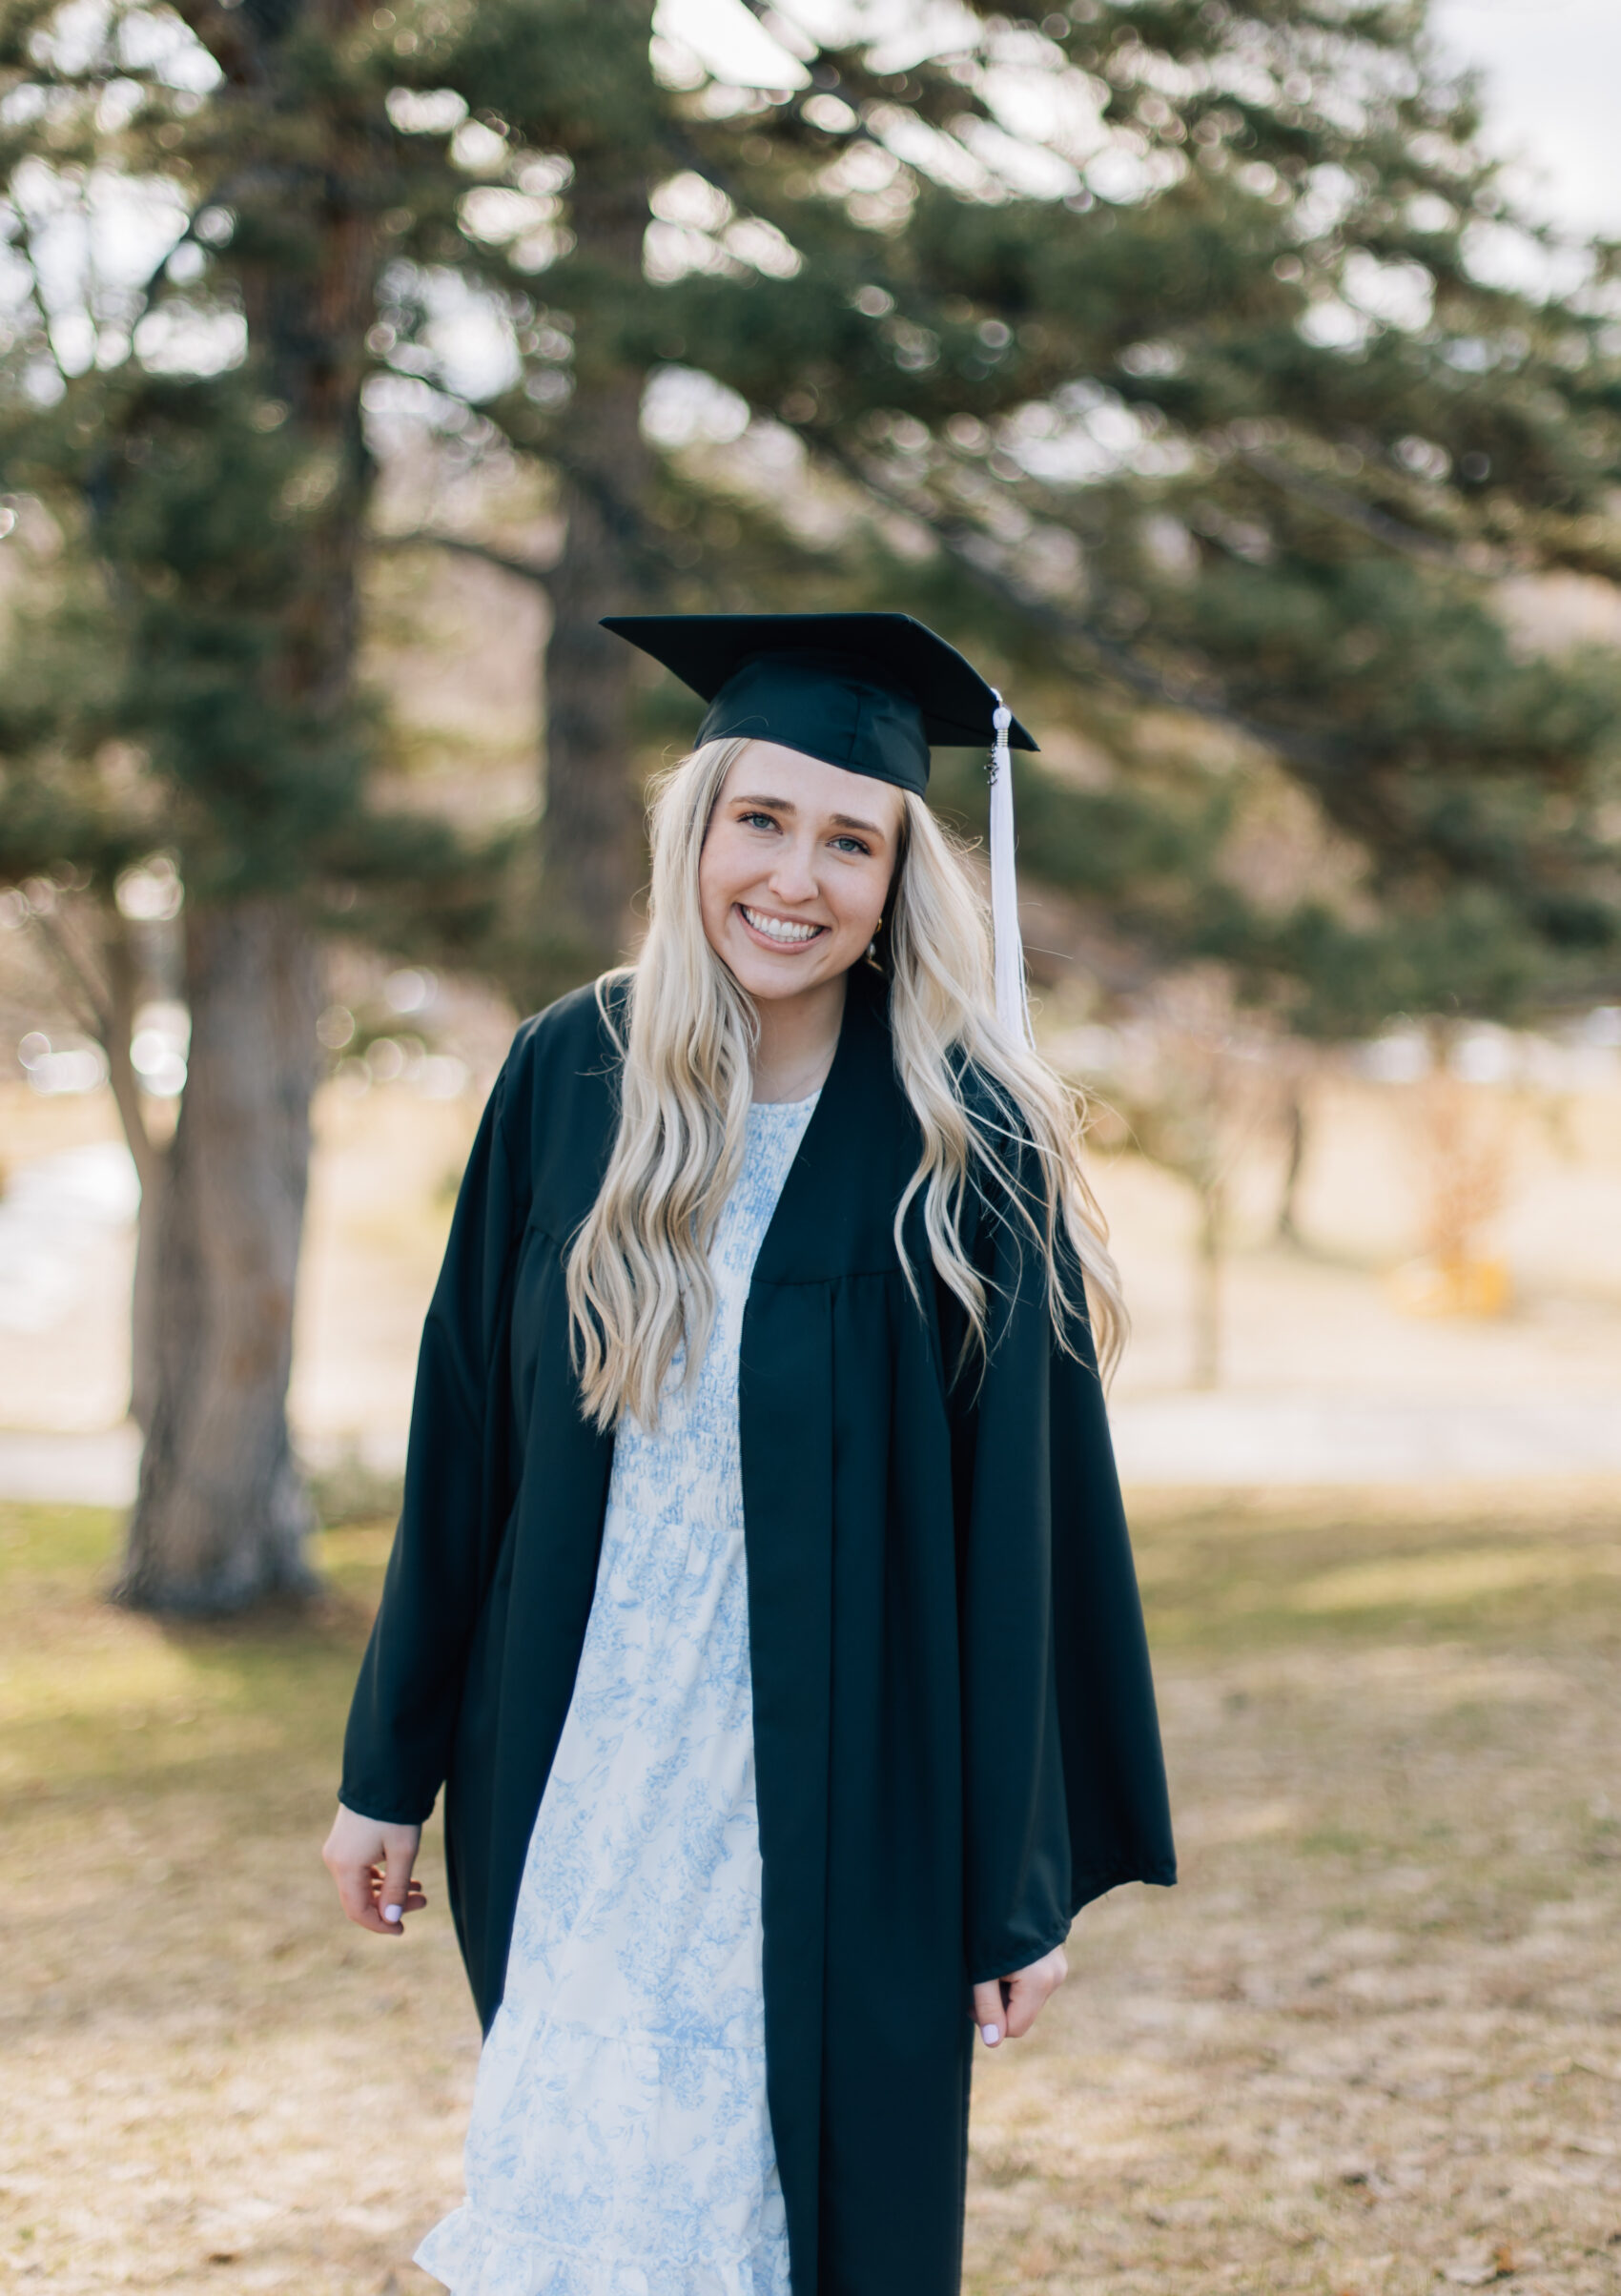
<point x="779" y="929"/>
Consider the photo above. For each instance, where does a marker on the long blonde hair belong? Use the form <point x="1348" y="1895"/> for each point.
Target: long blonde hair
<point x="640" y="1292"/>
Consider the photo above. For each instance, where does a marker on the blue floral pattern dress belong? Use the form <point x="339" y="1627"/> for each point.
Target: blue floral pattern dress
<point x="620" y="2143"/>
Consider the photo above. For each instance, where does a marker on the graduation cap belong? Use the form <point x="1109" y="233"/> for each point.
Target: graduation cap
<point x="869" y="692"/>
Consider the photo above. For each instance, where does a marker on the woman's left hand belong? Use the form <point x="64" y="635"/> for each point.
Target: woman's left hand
<point x="1005" y="2008"/>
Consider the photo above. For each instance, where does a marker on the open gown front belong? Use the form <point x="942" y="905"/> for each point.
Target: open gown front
<point x="619" y="2143"/>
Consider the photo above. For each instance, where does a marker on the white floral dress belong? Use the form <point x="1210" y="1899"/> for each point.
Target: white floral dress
<point x="620" y="2143"/>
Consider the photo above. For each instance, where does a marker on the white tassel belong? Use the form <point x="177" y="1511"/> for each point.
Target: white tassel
<point x="1013" y="1002"/>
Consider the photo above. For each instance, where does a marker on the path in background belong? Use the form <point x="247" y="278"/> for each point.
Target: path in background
<point x="1370" y="1438"/>
<point x="1324" y="1378"/>
<point x="1230" y="1441"/>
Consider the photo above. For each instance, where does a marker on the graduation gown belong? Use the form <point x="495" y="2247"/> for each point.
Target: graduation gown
<point x="955" y="1732"/>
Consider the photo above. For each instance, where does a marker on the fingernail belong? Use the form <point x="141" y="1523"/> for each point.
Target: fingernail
<point x="991" y="2034"/>
<point x="391" y="1913"/>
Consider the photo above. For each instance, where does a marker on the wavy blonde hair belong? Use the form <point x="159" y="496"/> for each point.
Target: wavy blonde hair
<point x="640" y="1292"/>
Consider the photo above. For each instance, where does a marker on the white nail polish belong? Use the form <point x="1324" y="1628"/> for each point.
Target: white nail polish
<point x="391" y="1913"/>
<point x="991" y="2034"/>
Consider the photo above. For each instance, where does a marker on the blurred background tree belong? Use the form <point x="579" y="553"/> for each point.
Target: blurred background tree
<point x="1186" y="362"/>
<point x="1166" y="352"/>
<point x="181" y="680"/>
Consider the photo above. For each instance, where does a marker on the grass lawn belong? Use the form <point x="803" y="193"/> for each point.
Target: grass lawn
<point x="1372" y="2045"/>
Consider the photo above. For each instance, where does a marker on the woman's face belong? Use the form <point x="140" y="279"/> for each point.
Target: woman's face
<point x="795" y="869"/>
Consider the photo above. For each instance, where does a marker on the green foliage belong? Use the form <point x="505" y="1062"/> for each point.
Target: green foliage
<point x="1214" y="429"/>
<point x="1258" y="445"/>
<point x="181" y="671"/>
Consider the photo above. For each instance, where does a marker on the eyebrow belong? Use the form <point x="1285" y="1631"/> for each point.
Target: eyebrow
<point x="786" y="805"/>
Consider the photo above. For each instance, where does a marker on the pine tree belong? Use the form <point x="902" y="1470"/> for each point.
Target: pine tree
<point x="183" y="675"/>
<point x="1165" y="354"/>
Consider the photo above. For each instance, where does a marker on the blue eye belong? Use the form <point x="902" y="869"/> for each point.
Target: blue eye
<point x="852" y="844"/>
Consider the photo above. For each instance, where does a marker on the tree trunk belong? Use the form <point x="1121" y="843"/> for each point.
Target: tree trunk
<point x="100" y="972"/>
<point x="223" y="1512"/>
<point x="145" y="1299"/>
<point x="1293" y="1119"/>
<point x="1207" y="1286"/>
<point x="592" y="852"/>
<point x="150" y="1158"/>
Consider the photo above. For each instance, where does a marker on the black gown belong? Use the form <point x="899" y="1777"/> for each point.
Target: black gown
<point x="955" y="1732"/>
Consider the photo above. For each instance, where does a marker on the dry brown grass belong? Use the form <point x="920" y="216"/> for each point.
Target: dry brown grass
<point x="1372" y="2043"/>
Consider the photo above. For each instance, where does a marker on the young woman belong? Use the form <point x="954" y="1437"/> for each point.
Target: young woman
<point x="761" y="1596"/>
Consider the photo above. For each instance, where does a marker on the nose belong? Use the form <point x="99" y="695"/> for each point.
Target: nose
<point x="793" y="877"/>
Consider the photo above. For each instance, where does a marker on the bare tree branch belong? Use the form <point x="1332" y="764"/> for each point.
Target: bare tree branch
<point x="222" y="195"/>
<point x="1338" y="502"/>
<point x="25" y="246"/>
<point x="524" y="569"/>
<point x="86" y="994"/>
<point x="105" y="1009"/>
<point x="123" y="981"/>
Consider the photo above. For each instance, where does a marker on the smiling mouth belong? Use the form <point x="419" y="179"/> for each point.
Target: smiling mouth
<point x="781" y="932"/>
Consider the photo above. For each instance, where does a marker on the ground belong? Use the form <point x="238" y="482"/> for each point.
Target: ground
<point x="1372" y="2043"/>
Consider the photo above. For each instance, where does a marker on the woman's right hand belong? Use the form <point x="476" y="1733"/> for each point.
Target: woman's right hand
<point x="371" y="1863"/>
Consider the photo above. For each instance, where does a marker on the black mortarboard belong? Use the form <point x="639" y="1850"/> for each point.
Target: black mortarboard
<point x="870" y="692"/>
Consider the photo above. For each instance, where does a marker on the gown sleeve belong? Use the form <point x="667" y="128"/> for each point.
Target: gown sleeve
<point x="397" y="1747"/>
<point x="1064" y="1780"/>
